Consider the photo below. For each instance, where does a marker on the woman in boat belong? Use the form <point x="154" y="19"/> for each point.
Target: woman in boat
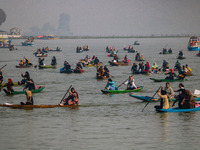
<point x="154" y="68"/>
<point x="21" y="63"/>
<point x="188" y="101"/>
<point x="180" y="96"/>
<point x="25" y="77"/>
<point x="146" y="67"/>
<point x="125" y="59"/>
<point x="165" y="65"/>
<point x="72" y="99"/>
<point x="53" y="61"/>
<point x="9" y="86"/>
<point x="171" y="75"/>
<point x="169" y="90"/>
<point x="134" y="68"/>
<point x="29" y="98"/>
<point x="130" y="83"/>
<point x="164" y="103"/>
<point x="1" y="77"/>
<point x="30" y="85"/>
<point x="110" y="85"/>
<point x="41" y="61"/>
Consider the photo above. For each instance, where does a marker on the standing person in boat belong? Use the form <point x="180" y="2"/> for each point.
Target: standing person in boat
<point x="164" y="103"/>
<point x="169" y="90"/>
<point x="110" y="85"/>
<point x="29" y="98"/>
<point x="9" y="86"/>
<point x="188" y="101"/>
<point x="130" y="83"/>
<point x="180" y="96"/>
<point x="154" y="68"/>
<point x="25" y="77"/>
<point x="134" y="68"/>
<point x="53" y="61"/>
<point x="1" y="77"/>
<point x="72" y="99"/>
<point x="30" y="85"/>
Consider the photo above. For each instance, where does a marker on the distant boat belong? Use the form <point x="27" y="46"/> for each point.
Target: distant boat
<point x="29" y="42"/>
<point x="194" y="44"/>
<point x="136" y="43"/>
<point x="47" y="37"/>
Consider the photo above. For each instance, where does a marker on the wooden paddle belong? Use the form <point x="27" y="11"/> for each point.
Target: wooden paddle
<point x="3" y="66"/>
<point x="66" y="93"/>
<point x="151" y="99"/>
<point x="123" y="82"/>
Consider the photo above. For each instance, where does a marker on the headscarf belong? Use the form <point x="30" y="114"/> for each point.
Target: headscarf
<point x="155" y="65"/>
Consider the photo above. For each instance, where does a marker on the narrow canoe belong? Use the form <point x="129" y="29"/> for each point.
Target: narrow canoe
<point x="54" y="50"/>
<point x="101" y="77"/>
<point x="78" y="71"/>
<point x="179" y="110"/>
<point x="24" y="66"/>
<point x="35" y="106"/>
<point x="46" y="66"/>
<point x="121" y="91"/>
<point x="179" y="57"/>
<point x="40" y="55"/>
<point x="91" y="65"/>
<point x="166" y="80"/>
<point x="147" y="98"/>
<point x="118" y="63"/>
<point x="65" y="71"/>
<point x="23" y="92"/>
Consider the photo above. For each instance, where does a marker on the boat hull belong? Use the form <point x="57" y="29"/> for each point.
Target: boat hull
<point x="65" y="71"/>
<point x="47" y="66"/>
<point x="121" y="91"/>
<point x="166" y="80"/>
<point x="179" y="110"/>
<point x="194" y="48"/>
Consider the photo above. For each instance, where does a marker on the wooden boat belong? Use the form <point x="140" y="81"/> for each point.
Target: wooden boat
<point x="120" y="63"/>
<point x="136" y="43"/>
<point x="131" y="51"/>
<point x="194" y="44"/>
<point x="147" y="98"/>
<point x="47" y="66"/>
<point x="36" y="106"/>
<point x="79" y="51"/>
<point x="180" y="57"/>
<point x="111" y="55"/>
<point x="24" y="66"/>
<point x="101" y="77"/>
<point x="28" y="43"/>
<point x="92" y="65"/>
<point x="55" y="50"/>
<point x="197" y="108"/>
<point x="166" y="80"/>
<point x="40" y="55"/>
<point x="65" y="71"/>
<point x="78" y="71"/>
<point x="121" y="91"/>
<point x="140" y="72"/>
<point x="37" y="90"/>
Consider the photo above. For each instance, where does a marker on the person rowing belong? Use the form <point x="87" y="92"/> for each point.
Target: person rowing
<point x="29" y="98"/>
<point x="146" y="67"/>
<point x="141" y="67"/>
<point x="177" y="65"/>
<point x="72" y="99"/>
<point x="130" y="83"/>
<point x="27" y="62"/>
<point x="30" y="85"/>
<point x="9" y="86"/>
<point x="53" y="61"/>
<point x="21" y="62"/>
<point x="164" y="103"/>
<point x="110" y="85"/>
<point x="26" y="77"/>
<point x="78" y="66"/>
<point x="41" y="61"/>
<point x="106" y="71"/>
<point x="67" y="66"/>
<point x="101" y="71"/>
<point x="96" y="61"/>
<point x="180" y="96"/>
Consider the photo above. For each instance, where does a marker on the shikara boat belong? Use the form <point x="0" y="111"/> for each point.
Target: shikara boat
<point x="47" y="66"/>
<point x="36" y="106"/>
<point x="167" y="80"/>
<point x="39" y="89"/>
<point x="121" y="91"/>
<point x="147" y="98"/>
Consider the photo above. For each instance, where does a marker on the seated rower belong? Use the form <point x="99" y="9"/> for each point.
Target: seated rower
<point x="107" y="72"/>
<point x="130" y="83"/>
<point x="141" y="67"/>
<point x="154" y="68"/>
<point x="164" y="50"/>
<point x="27" y="61"/>
<point x="115" y="59"/>
<point x="100" y="71"/>
<point x="146" y="68"/>
<point x="177" y="65"/>
<point x="134" y="68"/>
<point x="180" y="96"/>
<point x="125" y="59"/>
<point x="170" y="51"/>
<point x="41" y="61"/>
<point x="96" y="61"/>
<point x="53" y="61"/>
<point x="171" y="75"/>
<point x="29" y="98"/>
<point x="9" y="86"/>
<point x="30" y="85"/>
<point x="110" y="85"/>
<point x="164" y="103"/>
<point x="67" y="66"/>
<point x="189" y="70"/>
<point x="72" y="99"/>
<point x="21" y="63"/>
<point x="165" y="65"/>
<point x="78" y="66"/>
<point x="25" y="77"/>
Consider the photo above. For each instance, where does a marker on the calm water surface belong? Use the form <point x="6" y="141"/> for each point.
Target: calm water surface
<point x="103" y="121"/>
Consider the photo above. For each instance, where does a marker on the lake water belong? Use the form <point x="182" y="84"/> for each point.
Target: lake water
<point x="102" y="122"/>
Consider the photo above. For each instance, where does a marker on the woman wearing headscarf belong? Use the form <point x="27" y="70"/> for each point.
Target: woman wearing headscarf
<point x="9" y="86"/>
<point x="154" y="68"/>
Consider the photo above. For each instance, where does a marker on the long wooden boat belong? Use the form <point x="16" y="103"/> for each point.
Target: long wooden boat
<point x="147" y="98"/>
<point x="23" y="92"/>
<point x="47" y="66"/>
<point x="179" y="110"/>
<point x="36" y="106"/>
<point x="140" y="72"/>
<point x="24" y="66"/>
<point x="78" y="71"/>
<point x="40" y="55"/>
<point x="65" y="71"/>
<point x="166" y="80"/>
<point x="121" y="91"/>
<point x="120" y="63"/>
<point x="55" y="50"/>
<point x="180" y="57"/>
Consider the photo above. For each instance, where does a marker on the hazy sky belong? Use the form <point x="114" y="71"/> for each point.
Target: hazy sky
<point x="106" y="17"/>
